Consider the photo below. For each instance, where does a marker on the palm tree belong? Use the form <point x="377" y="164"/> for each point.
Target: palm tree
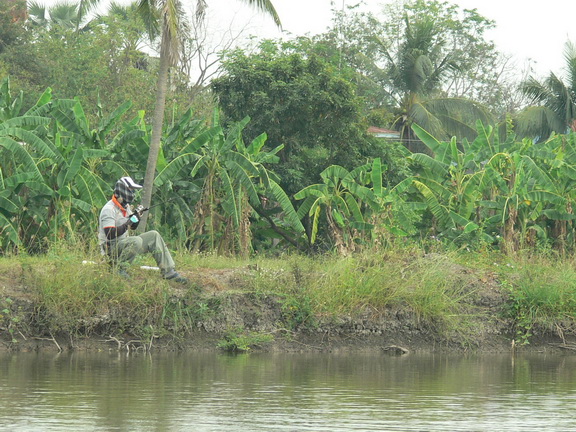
<point x="556" y="109"/>
<point x="416" y="73"/>
<point x="61" y="14"/>
<point x="163" y="16"/>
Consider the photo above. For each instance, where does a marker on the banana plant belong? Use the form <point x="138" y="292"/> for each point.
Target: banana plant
<point x="19" y="171"/>
<point x="339" y="199"/>
<point x="52" y="172"/>
<point x="553" y="169"/>
<point x="486" y="187"/>
<point x="448" y="183"/>
<point x="229" y="181"/>
<point x="386" y="210"/>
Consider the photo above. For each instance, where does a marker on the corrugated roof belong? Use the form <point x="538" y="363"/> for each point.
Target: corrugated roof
<point x="374" y="129"/>
<point x="383" y="133"/>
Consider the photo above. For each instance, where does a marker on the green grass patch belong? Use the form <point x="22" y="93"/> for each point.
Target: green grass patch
<point x="436" y="287"/>
<point x="542" y="294"/>
<point x="79" y="299"/>
<point x="433" y="286"/>
<point x="242" y="341"/>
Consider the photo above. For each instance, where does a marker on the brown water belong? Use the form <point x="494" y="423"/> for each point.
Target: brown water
<point x="281" y="392"/>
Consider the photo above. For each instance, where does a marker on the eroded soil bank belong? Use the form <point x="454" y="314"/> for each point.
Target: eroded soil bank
<point x="213" y="309"/>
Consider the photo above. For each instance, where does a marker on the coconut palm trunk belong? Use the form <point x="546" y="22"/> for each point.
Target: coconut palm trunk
<point x="157" y="122"/>
<point x="165" y="14"/>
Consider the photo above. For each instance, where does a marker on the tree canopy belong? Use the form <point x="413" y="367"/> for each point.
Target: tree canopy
<point x="301" y="103"/>
<point x="555" y="109"/>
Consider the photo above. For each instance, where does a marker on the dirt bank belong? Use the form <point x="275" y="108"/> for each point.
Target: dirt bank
<point x="219" y="311"/>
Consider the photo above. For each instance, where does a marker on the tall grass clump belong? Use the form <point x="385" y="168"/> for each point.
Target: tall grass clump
<point x="78" y="297"/>
<point x="432" y="286"/>
<point x="71" y="295"/>
<point x="292" y="278"/>
<point x="542" y="296"/>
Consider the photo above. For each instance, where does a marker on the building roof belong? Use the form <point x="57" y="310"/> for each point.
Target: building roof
<point x="383" y="133"/>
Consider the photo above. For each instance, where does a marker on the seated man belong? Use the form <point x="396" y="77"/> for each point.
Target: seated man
<point x="116" y="219"/>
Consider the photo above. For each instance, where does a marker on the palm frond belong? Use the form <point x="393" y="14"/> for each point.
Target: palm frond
<point x="291" y="216"/>
<point x="267" y="7"/>
<point x="150" y="14"/>
<point x="423" y="117"/>
<point x="538" y="122"/>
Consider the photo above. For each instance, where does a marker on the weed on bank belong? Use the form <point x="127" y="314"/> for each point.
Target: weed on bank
<point x="76" y="293"/>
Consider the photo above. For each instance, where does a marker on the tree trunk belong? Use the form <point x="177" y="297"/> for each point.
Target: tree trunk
<point x="157" y="122"/>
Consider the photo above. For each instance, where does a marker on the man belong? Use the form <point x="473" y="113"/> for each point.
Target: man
<point x="116" y="220"/>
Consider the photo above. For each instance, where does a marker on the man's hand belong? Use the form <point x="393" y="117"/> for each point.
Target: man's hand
<point x="139" y="210"/>
<point x="133" y="220"/>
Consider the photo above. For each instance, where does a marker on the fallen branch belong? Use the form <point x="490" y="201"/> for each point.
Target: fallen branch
<point x="571" y="347"/>
<point x="52" y="339"/>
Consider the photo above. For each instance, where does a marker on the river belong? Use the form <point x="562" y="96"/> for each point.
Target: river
<point x="118" y="391"/>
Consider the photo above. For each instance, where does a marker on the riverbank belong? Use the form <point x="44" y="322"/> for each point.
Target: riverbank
<point x="393" y="302"/>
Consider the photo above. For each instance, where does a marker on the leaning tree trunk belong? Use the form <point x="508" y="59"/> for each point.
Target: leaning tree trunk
<point x="157" y="122"/>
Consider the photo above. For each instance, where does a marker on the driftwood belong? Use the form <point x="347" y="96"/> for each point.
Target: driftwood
<point x="395" y="350"/>
<point x="571" y="347"/>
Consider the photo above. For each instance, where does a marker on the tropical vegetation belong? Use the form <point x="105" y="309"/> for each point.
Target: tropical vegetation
<point x="273" y="157"/>
<point x="555" y="102"/>
<point x="279" y="155"/>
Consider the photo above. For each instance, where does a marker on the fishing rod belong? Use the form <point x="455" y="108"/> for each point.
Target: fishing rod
<point x="156" y="205"/>
<point x="137" y="212"/>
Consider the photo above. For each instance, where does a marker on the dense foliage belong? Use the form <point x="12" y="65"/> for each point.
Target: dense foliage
<point x="60" y="169"/>
<point x="556" y="102"/>
<point x="286" y="160"/>
<point x="426" y="62"/>
<point x="302" y="104"/>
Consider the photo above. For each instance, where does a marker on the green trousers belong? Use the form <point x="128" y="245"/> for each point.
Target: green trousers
<point x="123" y="251"/>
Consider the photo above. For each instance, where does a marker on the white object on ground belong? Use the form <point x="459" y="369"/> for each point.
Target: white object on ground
<point x="149" y="268"/>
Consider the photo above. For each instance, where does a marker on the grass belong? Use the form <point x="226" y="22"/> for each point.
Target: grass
<point x="542" y="295"/>
<point x="436" y="287"/>
<point x="241" y="341"/>
<point x="76" y="293"/>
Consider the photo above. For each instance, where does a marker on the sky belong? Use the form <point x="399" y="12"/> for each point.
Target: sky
<point x="528" y="30"/>
<point x="531" y="31"/>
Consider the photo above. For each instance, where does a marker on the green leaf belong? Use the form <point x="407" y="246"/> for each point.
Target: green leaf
<point x="243" y="162"/>
<point x="172" y="169"/>
<point x="8" y="230"/>
<point x="334" y="174"/>
<point x="292" y="218"/>
<point x="242" y="177"/>
<point x="312" y="190"/>
<point x="6" y="205"/>
<point x="81" y="204"/>
<point x="21" y="155"/>
<point x="338" y="218"/>
<point x="44" y="149"/>
<point x="306" y="206"/>
<point x="315" y="219"/>
<point x="82" y="121"/>
<point x="72" y="169"/>
<point x="432" y="143"/>
<point x="201" y="140"/>
<point x="107" y="124"/>
<point x="354" y="208"/>
<point x="437" y="209"/>
<point x="257" y="144"/>
<point x="376" y="175"/>
<point x="436" y="167"/>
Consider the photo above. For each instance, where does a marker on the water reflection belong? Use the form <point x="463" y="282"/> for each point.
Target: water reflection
<point x="296" y="392"/>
